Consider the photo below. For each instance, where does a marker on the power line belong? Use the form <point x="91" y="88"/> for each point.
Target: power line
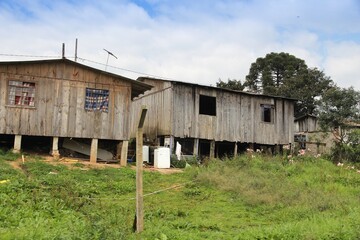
<point x="123" y="69"/>
<point x="30" y="56"/>
<point x="85" y="60"/>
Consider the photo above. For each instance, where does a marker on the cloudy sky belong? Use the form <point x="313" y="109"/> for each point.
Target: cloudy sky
<point x="193" y="41"/>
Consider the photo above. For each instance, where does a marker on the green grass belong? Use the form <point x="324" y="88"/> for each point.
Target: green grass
<point x="243" y="198"/>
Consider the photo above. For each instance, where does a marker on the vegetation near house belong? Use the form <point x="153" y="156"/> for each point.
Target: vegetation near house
<point x="340" y="113"/>
<point x="249" y="197"/>
<point x="283" y="74"/>
<point x="232" y="84"/>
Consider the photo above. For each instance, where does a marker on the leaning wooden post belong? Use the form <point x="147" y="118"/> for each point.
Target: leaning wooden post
<point x="235" y="149"/>
<point x="139" y="170"/>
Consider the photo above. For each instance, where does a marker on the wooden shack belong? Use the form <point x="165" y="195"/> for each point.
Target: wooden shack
<point x="60" y="98"/>
<point x="212" y="121"/>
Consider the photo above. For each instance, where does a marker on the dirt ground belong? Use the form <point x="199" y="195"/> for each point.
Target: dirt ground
<point x="85" y="164"/>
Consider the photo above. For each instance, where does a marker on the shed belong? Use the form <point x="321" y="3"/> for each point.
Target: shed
<point x="60" y="98"/>
<point x="213" y="121"/>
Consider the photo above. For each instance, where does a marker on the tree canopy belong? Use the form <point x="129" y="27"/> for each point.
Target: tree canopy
<point x="282" y="74"/>
<point x="230" y="84"/>
<point x="339" y="108"/>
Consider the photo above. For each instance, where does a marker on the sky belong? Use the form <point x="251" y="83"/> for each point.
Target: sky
<point x="196" y="41"/>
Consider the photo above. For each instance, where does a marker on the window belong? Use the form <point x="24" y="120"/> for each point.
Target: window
<point x="21" y="93"/>
<point x="267" y="113"/>
<point x="97" y="100"/>
<point x="207" y="105"/>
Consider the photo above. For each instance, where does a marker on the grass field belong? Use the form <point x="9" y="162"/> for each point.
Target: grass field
<point x="244" y="198"/>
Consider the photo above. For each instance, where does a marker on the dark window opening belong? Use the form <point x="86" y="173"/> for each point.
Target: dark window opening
<point x="267" y="113"/>
<point x="21" y="93"/>
<point x="97" y="100"/>
<point x="207" y="105"/>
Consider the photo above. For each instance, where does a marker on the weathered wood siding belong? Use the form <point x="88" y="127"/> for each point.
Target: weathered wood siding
<point x="238" y="117"/>
<point x="174" y="110"/>
<point x="307" y="124"/>
<point x="158" y="100"/>
<point x="60" y="100"/>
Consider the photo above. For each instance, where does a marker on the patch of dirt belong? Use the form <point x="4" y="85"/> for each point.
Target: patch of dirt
<point x="85" y="164"/>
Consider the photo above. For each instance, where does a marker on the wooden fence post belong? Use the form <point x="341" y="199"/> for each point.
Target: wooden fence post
<point x="139" y="171"/>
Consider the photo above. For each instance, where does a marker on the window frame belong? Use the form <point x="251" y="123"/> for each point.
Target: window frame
<point x="13" y="92"/>
<point x="213" y="103"/>
<point x="270" y="108"/>
<point x="96" y="106"/>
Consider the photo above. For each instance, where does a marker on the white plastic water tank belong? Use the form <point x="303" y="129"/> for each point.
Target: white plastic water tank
<point x="145" y="154"/>
<point x="162" y="157"/>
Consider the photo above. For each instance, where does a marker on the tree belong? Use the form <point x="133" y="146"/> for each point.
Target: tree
<point x="339" y="108"/>
<point x="230" y="84"/>
<point x="282" y="74"/>
<point x="339" y="111"/>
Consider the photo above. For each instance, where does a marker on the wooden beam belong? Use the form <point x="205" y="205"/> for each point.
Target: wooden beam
<point x="139" y="173"/>
<point x="212" y="149"/>
<point x="55" y="148"/>
<point x="235" y="149"/>
<point x="196" y="147"/>
<point x="124" y="153"/>
<point x="93" y="150"/>
<point x="17" y="144"/>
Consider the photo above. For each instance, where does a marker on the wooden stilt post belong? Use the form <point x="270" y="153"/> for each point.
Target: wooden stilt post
<point x="196" y="147"/>
<point x="235" y="149"/>
<point x="212" y="149"/>
<point x="17" y="144"/>
<point x="124" y="153"/>
<point x="93" y="150"/>
<point x="139" y="173"/>
<point x="55" y="148"/>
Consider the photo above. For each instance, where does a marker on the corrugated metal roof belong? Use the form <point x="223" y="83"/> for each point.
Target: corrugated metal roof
<point x="216" y="88"/>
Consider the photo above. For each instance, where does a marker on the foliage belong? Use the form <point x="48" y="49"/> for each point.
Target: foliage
<point x="339" y="107"/>
<point x="9" y="155"/>
<point x="249" y="197"/>
<point x="230" y="84"/>
<point x="339" y="111"/>
<point x="348" y="151"/>
<point x="282" y="74"/>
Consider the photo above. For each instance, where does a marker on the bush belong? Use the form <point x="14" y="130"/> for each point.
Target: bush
<point x="348" y="151"/>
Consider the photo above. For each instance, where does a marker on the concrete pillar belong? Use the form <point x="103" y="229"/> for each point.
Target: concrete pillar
<point x="212" y="149"/>
<point x="17" y="144"/>
<point x="196" y="147"/>
<point x="235" y="149"/>
<point x="55" y="148"/>
<point x="124" y="153"/>
<point x="93" y="150"/>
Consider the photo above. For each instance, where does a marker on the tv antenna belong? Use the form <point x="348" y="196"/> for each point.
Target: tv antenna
<point x="107" y="60"/>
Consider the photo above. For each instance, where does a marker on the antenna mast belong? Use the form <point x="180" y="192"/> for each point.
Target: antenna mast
<point x="107" y="60"/>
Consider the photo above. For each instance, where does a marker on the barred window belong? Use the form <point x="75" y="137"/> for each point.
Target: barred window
<point x="97" y="100"/>
<point x="21" y="93"/>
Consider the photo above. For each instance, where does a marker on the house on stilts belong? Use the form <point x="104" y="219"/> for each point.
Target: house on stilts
<point x="60" y="99"/>
<point x="211" y="121"/>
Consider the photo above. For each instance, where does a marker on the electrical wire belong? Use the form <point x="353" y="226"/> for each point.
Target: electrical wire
<point x="86" y="60"/>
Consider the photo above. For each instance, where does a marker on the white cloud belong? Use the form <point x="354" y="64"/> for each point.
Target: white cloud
<point x="343" y="63"/>
<point x="194" y="41"/>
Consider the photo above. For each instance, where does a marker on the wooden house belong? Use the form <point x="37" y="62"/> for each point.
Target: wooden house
<point x="212" y="121"/>
<point x="310" y="137"/>
<point x="60" y="98"/>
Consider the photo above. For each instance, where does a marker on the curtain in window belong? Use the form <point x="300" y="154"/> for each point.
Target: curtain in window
<point x="97" y="100"/>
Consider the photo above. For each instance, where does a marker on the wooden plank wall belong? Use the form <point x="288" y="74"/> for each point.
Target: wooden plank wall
<point x="158" y="100"/>
<point x="238" y="116"/>
<point x="60" y="100"/>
